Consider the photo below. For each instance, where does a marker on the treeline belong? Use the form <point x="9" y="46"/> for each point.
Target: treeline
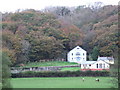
<point x="99" y="26"/>
<point x="32" y="35"/>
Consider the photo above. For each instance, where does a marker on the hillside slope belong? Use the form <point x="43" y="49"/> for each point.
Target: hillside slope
<point x="31" y="35"/>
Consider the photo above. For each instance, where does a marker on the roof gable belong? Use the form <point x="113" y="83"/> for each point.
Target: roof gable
<point x="102" y="61"/>
<point x="88" y="62"/>
<point x="77" y="48"/>
<point x="105" y="58"/>
<point x="93" y="62"/>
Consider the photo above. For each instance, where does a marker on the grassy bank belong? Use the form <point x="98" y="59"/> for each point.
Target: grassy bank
<point x="51" y="63"/>
<point x="70" y="69"/>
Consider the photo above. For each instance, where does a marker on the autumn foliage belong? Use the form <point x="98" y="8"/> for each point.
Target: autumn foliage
<point x="32" y="35"/>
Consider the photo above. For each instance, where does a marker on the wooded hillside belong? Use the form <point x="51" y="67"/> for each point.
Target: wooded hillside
<point x="32" y="35"/>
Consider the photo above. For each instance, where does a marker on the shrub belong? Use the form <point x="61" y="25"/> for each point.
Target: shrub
<point x="60" y="74"/>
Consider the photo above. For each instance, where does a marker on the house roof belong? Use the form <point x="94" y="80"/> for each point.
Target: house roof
<point x="92" y="62"/>
<point x="105" y="58"/>
<point x="103" y="61"/>
<point x="88" y="62"/>
<point x="77" y="48"/>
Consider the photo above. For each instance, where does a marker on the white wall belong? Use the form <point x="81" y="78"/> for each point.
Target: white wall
<point x="94" y="65"/>
<point x="104" y="65"/>
<point x="106" y="59"/>
<point x="72" y="57"/>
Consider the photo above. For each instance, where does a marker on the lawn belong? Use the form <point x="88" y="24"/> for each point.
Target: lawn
<point x="70" y="69"/>
<point x="61" y="82"/>
<point x="51" y="63"/>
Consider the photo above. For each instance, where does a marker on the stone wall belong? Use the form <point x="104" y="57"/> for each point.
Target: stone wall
<point x="49" y="68"/>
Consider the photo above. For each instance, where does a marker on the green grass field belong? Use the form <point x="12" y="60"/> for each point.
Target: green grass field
<point x="70" y="69"/>
<point x="51" y="63"/>
<point x="62" y="82"/>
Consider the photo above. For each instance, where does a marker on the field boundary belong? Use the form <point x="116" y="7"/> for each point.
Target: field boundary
<point x="60" y="74"/>
<point x="47" y="68"/>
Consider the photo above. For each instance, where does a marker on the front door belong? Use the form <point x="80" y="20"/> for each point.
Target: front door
<point x="78" y="59"/>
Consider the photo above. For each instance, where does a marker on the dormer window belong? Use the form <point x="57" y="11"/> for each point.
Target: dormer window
<point x="77" y="48"/>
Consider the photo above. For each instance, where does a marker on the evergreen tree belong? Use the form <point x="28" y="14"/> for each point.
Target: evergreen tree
<point x="95" y="53"/>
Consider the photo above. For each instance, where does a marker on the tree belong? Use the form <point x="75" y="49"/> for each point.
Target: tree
<point x="95" y="53"/>
<point x="62" y="11"/>
<point x="44" y="47"/>
<point x="96" y="5"/>
<point x="62" y="28"/>
<point x="115" y="70"/>
<point x="5" y="70"/>
<point x="12" y="45"/>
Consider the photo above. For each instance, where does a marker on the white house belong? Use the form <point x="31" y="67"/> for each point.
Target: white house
<point x="109" y="60"/>
<point x="77" y="55"/>
<point x="95" y="65"/>
<point x="100" y="64"/>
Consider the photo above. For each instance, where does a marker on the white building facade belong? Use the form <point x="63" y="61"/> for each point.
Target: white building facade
<point x="100" y="64"/>
<point x="95" y="65"/>
<point x="77" y="55"/>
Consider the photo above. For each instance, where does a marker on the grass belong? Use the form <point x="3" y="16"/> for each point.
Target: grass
<point x="51" y="63"/>
<point x="70" y="69"/>
<point x="61" y="82"/>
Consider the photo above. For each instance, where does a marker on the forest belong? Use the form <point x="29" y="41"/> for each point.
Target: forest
<point x="31" y="35"/>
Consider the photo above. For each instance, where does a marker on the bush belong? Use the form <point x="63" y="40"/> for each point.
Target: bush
<point x="60" y="74"/>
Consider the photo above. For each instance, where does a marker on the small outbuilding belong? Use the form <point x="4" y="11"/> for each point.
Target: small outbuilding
<point x="102" y="63"/>
<point x="95" y="65"/>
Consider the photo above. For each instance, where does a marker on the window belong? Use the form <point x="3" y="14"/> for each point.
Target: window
<point x="97" y="65"/>
<point x="77" y="54"/>
<point x="72" y="53"/>
<point x="89" y="64"/>
<point x="104" y="66"/>
<point x="84" y="65"/>
<point x="78" y="58"/>
<point x="77" y="48"/>
<point x="100" y="65"/>
<point x="83" y="54"/>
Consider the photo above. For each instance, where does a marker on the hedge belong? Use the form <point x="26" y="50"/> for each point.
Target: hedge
<point x="60" y="74"/>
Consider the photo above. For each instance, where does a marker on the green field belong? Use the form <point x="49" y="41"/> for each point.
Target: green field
<point x="70" y="69"/>
<point x="62" y="82"/>
<point x="51" y="63"/>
